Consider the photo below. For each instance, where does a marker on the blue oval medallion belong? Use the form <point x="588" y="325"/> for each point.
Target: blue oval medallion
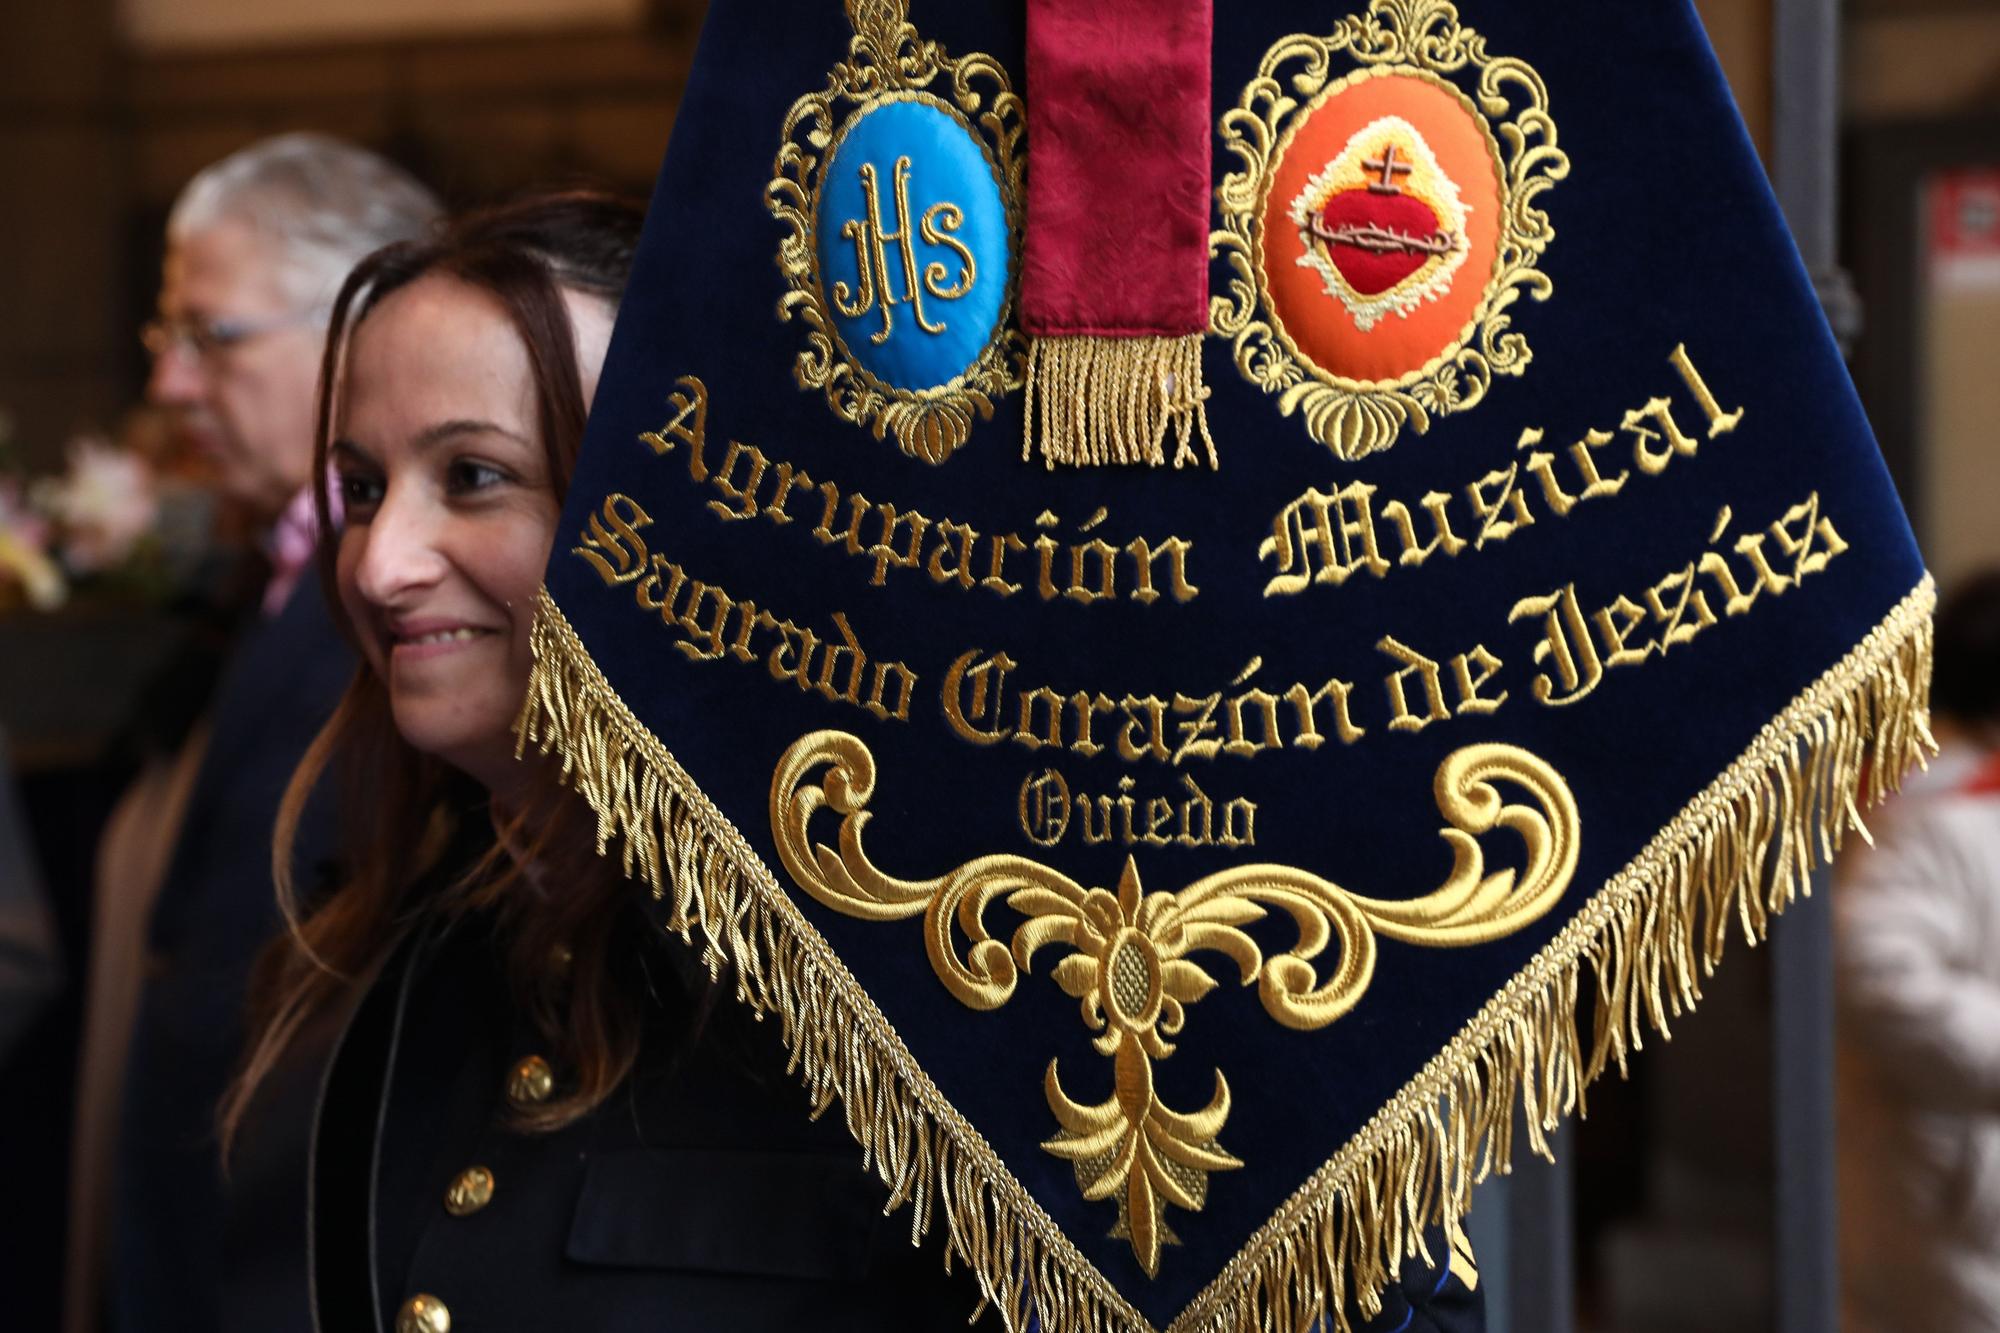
<point x="912" y="239"/>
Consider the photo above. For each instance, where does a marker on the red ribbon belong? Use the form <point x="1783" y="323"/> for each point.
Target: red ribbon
<point x="1118" y="168"/>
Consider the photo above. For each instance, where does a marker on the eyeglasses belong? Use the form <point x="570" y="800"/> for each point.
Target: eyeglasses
<point x="206" y="338"/>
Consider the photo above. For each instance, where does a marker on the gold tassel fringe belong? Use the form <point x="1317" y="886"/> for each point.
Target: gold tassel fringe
<point x="1735" y="855"/>
<point x="1095" y="400"/>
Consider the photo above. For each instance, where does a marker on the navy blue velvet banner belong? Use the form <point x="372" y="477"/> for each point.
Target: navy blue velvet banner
<point x="1235" y="828"/>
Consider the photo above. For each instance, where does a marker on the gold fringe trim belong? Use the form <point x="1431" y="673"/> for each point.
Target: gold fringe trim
<point x="1095" y="400"/>
<point x="1731" y="859"/>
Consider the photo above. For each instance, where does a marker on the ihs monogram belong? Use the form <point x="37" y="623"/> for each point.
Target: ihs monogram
<point x="937" y="226"/>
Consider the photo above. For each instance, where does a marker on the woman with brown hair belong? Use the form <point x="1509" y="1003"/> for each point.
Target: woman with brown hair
<point x="493" y="1091"/>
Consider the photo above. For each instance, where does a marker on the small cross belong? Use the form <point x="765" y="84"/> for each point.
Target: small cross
<point x="1390" y="169"/>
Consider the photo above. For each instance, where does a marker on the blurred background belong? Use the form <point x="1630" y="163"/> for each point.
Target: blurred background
<point x="1675" y="1203"/>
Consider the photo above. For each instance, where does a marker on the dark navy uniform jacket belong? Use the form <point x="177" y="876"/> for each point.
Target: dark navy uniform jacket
<point x="215" y="910"/>
<point x="700" y="1196"/>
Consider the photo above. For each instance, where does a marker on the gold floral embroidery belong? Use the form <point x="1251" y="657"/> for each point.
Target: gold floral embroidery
<point x="1129" y="964"/>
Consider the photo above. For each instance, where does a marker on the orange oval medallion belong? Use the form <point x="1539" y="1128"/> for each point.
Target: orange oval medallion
<point x="1382" y="217"/>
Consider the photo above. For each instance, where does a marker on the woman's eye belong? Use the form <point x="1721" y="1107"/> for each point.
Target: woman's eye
<point x="358" y="491"/>
<point x="469" y="474"/>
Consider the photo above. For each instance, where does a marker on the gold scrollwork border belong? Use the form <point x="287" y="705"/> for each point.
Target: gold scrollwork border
<point x="887" y="61"/>
<point x="1425" y="39"/>
<point x="1129" y="949"/>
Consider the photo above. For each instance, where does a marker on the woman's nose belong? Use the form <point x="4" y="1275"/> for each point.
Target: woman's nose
<point x="402" y="554"/>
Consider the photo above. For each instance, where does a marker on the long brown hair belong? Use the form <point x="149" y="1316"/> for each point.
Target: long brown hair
<point x="401" y="812"/>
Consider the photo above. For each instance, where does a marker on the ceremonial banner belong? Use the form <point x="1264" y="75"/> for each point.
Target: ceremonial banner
<point x="1180" y="817"/>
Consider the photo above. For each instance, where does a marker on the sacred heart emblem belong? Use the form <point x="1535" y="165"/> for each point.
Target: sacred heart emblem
<point x="1382" y="224"/>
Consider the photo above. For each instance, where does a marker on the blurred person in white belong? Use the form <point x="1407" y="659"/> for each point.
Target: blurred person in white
<point x="256" y="248"/>
<point x="1918" y="957"/>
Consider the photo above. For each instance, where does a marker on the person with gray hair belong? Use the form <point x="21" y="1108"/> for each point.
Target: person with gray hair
<point x="257" y="247"/>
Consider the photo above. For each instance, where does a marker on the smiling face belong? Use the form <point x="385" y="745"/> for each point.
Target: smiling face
<point x="450" y="511"/>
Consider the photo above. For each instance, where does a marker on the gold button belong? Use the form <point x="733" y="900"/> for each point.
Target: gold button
<point x="470" y="1191"/>
<point x="531" y="1083"/>
<point x="423" y="1313"/>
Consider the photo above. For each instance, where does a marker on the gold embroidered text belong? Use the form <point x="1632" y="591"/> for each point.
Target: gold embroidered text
<point x="1577" y="646"/>
<point x="1186" y="818"/>
<point x="1328" y="538"/>
<point x="982" y="706"/>
<point x="1078" y="566"/>
<point x="711" y="624"/>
